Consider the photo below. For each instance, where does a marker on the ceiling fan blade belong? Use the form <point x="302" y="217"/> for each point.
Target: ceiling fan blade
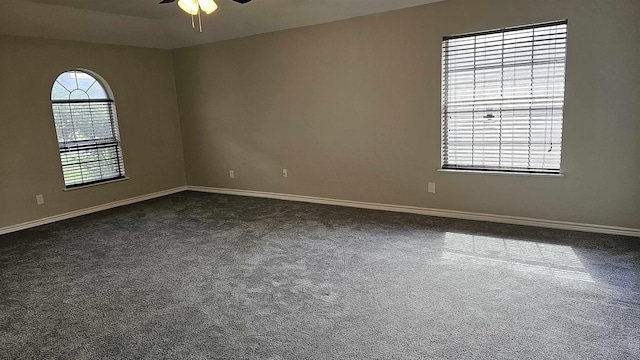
<point x="242" y="1"/>
<point x="167" y="1"/>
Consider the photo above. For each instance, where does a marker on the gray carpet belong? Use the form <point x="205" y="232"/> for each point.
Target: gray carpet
<point x="200" y="276"/>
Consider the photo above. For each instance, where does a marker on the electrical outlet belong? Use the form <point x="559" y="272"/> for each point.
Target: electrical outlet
<point x="232" y="175"/>
<point x="40" y="199"/>
<point x="285" y="173"/>
<point x="432" y="187"/>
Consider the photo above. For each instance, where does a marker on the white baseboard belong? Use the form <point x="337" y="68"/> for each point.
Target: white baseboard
<point x="72" y="214"/>
<point x="564" y="225"/>
<point x="614" y="230"/>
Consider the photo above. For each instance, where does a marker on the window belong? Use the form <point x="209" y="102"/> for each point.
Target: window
<point x="503" y="98"/>
<point x="87" y="129"/>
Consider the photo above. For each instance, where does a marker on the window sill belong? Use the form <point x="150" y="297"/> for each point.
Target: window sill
<point x="96" y="184"/>
<point x="478" y="172"/>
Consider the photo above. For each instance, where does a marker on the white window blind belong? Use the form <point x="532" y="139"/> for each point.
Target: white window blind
<point x="503" y="98"/>
<point x="87" y="129"/>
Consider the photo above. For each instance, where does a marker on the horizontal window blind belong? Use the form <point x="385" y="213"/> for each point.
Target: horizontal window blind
<point x="503" y="99"/>
<point x="89" y="142"/>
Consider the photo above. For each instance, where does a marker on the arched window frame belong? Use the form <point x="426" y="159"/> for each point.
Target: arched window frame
<point x="87" y="129"/>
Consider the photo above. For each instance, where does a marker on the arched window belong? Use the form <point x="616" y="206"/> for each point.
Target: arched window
<point x="85" y="117"/>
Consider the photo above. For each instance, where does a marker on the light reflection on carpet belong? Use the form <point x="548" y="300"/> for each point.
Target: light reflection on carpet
<point x="545" y="259"/>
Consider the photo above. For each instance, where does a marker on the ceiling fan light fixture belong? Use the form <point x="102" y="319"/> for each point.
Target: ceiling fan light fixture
<point x="208" y="6"/>
<point x="189" y="6"/>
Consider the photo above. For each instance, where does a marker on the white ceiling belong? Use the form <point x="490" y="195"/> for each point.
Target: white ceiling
<point x="149" y="9"/>
<point x="146" y="23"/>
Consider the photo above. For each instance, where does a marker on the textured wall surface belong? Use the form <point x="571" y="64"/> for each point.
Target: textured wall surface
<point x="352" y="110"/>
<point x="143" y="84"/>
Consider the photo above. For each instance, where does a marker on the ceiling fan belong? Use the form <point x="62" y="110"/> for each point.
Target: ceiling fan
<point x="192" y="2"/>
<point x="195" y="7"/>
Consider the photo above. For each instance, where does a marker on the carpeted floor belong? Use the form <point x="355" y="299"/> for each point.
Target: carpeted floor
<point x="201" y="276"/>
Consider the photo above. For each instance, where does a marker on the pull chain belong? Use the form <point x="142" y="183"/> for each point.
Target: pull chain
<point x="193" y="21"/>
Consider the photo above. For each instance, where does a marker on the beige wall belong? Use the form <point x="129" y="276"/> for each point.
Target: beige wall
<point x="143" y="84"/>
<point x="352" y="110"/>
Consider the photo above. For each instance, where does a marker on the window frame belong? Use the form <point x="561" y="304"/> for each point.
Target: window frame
<point x="105" y="115"/>
<point x="498" y="170"/>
